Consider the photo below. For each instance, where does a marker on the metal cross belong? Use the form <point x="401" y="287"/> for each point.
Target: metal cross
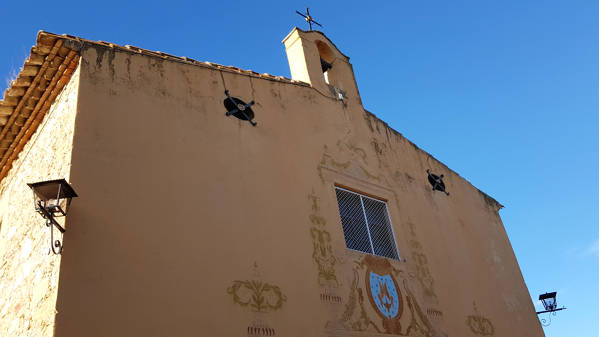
<point x="308" y="18"/>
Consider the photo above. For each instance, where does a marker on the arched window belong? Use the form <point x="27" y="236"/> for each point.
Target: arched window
<point x="326" y="59"/>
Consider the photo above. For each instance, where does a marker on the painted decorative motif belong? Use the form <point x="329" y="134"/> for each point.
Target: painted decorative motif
<point x="392" y="301"/>
<point x="355" y="316"/>
<point x="435" y="313"/>
<point x="419" y="325"/>
<point x="322" y="252"/>
<point x="314" y="199"/>
<point x="348" y="147"/>
<point x="260" y="328"/>
<point x="330" y="298"/>
<point x="260" y="331"/>
<point x="479" y="324"/>
<point x="260" y="298"/>
<point x="257" y="295"/>
<point x="423" y="274"/>
<point x="323" y="256"/>
<point x="317" y="220"/>
<point x="384" y="294"/>
<point x="391" y="307"/>
<point x="354" y="162"/>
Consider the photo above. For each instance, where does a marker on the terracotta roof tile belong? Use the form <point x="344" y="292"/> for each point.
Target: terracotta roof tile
<point x="47" y="70"/>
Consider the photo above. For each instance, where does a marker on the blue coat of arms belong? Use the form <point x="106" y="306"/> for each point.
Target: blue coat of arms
<point x="385" y="294"/>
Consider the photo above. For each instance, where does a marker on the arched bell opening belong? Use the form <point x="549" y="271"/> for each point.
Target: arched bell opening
<point x="326" y="59"/>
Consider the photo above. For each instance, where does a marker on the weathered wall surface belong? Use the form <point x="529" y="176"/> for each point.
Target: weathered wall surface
<point x="28" y="273"/>
<point x="190" y="223"/>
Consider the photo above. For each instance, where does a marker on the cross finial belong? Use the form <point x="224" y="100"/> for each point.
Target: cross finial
<point x="308" y="18"/>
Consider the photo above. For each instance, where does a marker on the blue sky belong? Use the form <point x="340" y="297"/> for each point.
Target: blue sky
<point x="506" y="93"/>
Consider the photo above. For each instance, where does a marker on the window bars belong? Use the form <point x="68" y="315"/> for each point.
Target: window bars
<point x="366" y="224"/>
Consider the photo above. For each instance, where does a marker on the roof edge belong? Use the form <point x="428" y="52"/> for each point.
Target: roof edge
<point x="44" y="74"/>
<point x="315" y="32"/>
<point x="78" y="43"/>
<point x="48" y="68"/>
<point x="488" y="199"/>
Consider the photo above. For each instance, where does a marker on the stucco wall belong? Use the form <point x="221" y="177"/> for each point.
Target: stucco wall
<point x="184" y="214"/>
<point x="28" y="273"/>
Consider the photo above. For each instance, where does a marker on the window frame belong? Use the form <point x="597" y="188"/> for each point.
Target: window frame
<point x="374" y="198"/>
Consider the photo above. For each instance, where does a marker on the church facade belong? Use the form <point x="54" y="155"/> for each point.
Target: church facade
<point x="218" y="201"/>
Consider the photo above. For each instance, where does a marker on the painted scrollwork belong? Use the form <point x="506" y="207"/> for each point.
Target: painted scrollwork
<point x="354" y="162"/>
<point x="322" y="252"/>
<point x="361" y="321"/>
<point x="419" y="325"/>
<point x="479" y="324"/>
<point x="423" y="273"/>
<point x="388" y="294"/>
<point x="257" y="295"/>
<point x="323" y="256"/>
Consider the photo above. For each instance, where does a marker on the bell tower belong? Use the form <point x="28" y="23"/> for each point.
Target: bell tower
<point x="314" y="59"/>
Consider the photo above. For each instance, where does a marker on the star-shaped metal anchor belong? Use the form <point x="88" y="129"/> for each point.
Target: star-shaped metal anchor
<point x="437" y="182"/>
<point x="239" y="108"/>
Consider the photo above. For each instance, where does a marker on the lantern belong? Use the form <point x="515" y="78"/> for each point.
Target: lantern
<point x="52" y="199"/>
<point x="549" y="301"/>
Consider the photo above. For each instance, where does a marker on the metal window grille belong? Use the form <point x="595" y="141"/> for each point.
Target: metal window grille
<point x="366" y="224"/>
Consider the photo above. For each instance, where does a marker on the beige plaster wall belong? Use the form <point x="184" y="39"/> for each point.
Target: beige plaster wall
<point x="28" y="273"/>
<point x="190" y="223"/>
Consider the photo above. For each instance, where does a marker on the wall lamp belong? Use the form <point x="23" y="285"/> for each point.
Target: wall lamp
<point x="550" y="304"/>
<point x="52" y="199"/>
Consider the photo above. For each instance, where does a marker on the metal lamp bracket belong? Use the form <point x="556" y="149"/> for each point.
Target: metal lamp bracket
<point x="52" y="199"/>
<point x="51" y="222"/>
<point x="547" y="320"/>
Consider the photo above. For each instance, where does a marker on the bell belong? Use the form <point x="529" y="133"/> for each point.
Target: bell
<point x="325" y="65"/>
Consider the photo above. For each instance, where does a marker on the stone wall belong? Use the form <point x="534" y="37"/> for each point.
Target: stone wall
<point x="28" y="271"/>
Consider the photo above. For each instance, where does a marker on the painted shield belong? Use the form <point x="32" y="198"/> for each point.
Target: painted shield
<point x="385" y="294"/>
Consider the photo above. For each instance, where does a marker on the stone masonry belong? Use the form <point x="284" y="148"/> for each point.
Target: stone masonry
<point x="28" y="272"/>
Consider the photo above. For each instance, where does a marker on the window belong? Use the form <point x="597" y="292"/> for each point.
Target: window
<point x="366" y="224"/>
